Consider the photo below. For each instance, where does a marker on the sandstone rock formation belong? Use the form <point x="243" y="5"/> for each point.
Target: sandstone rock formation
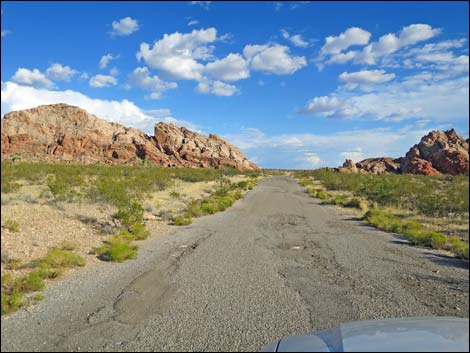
<point x="64" y="133"/>
<point x="371" y="165"/>
<point x="439" y="152"/>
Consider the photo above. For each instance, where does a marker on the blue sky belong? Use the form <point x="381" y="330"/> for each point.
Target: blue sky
<point x="293" y="84"/>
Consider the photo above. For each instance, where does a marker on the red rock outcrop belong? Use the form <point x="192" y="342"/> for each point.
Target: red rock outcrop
<point x="439" y="152"/>
<point x="371" y="165"/>
<point x="64" y="133"/>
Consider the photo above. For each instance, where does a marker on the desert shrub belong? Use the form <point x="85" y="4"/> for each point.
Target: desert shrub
<point x="116" y="249"/>
<point x="340" y="200"/>
<point x="32" y="282"/>
<point x="356" y="203"/>
<point x="109" y="190"/>
<point x="59" y="258"/>
<point x="208" y="208"/>
<point x="130" y="214"/>
<point x="312" y="192"/>
<point x="323" y="195"/>
<point x="412" y="230"/>
<point x="138" y="231"/>
<point x="458" y="247"/>
<point x="7" y="281"/>
<point x="12" y="226"/>
<point x="237" y="194"/>
<point x="305" y="182"/>
<point x="438" y="241"/>
<point x="62" y="187"/>
<point x="431" y="196"/>
<point x="8" y="186"/>
<point x="242" y="184"/>
<point x="223" y="186"/>
<point x="11" y="302"/>
<point x="182" y="221"/>
<point x="67" y="245"/>
<point x="175" y="194"/>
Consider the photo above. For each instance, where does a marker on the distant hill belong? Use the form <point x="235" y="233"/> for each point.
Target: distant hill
<point x="65" y="133"/>
<point x="439" y="152"/>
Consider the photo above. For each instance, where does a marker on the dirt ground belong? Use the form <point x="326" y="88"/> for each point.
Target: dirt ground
<point x="44" y="225"/>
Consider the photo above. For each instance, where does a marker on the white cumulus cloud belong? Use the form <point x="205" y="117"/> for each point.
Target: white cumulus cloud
<point x="295" y="39"/>
<point x="410" y="98"/>
<point x="59" y="72"/>
<point x="231" y="68"/>
<point x="217" y="88"/>
<point x="274" y="59"/>
<point x="141" y="78"/>
<point x="352" y="36"/>
<point x="390" y="43"/>
<point x="176" y="55"/>
<point x="105" y="60"/>
<point x="366" y="76"/>
<point x="17" y="97"/>
<point x="101" y="81"/>
<point x="34" y="78"/>
<point x="125" y="26"/>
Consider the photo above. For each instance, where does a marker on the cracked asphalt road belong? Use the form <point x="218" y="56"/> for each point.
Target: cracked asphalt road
<point x="276" y="263"/>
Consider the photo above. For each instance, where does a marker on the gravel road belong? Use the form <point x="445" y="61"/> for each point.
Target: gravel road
<point x="274" y="264"/>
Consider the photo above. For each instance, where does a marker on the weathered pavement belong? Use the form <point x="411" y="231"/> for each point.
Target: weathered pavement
<point x="276" y="263"/>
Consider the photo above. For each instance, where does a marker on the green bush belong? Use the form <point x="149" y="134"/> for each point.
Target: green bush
<point x="130" y="214"/>
<point x="208" y="208"/>
<point x="340" y="200"/>
<point x="59" y="258"/>
<point x="117" y="249"/>
<point x="242" y="184"/>
<point x="438" y="241"/>
<point x="62" y="188"/>
<point x="323" y="195"/>
<point x="7" y="281"/>
<point x="305" y="182"/>
<point x="31" y="282"/>
<point x="11" y="302"/>
<point x="139" y="232"/>
<point x="458" y="247"/>
<point x="182" y="221"/>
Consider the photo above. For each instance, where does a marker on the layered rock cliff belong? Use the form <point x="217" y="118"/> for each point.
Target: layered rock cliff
<point x="64" y="133"/>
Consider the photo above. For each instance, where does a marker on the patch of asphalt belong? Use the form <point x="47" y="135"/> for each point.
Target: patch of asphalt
<point x="276" y="263"/>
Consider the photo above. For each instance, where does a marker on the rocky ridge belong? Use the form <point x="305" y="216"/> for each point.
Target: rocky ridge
<point x="65" y="133"/>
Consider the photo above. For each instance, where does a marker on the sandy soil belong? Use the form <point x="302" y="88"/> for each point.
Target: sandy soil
<point x="44" y="225"/>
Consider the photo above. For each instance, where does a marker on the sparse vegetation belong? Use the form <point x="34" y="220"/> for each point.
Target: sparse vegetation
<point x="59" y="258"/>
<point x="175" y="194"/>
<point x="416" y="232"/>
<point x="404" y="197"/>
<point x="117" y="249"/>
<point x="181" y="221"/>
<point x="121" y="192"/>
<point x="432" y="196"/>
<point x="48" y="267"/>
<point x="11" y="225"/>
